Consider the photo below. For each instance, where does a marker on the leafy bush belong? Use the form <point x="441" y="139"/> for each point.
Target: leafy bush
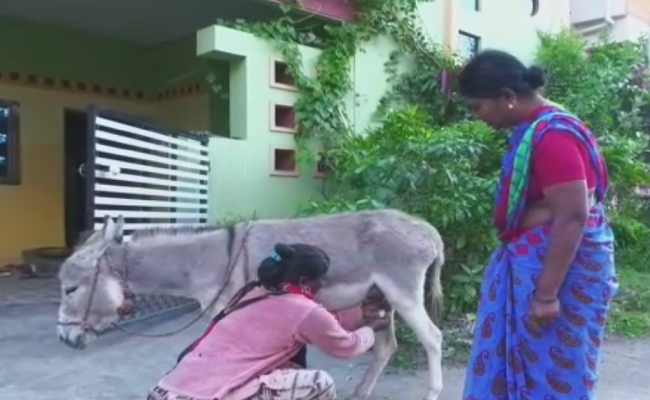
<point x="445" y="171"/>
<point x="445" y="175"/>
<point x="606" y="85"/>
<point x="632" y="235"/>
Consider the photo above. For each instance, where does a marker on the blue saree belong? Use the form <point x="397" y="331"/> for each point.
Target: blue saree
<point x="509" y="359"/>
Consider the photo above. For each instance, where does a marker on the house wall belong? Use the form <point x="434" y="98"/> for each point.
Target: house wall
<point x="585" y="12"/>
<point x="47" y="69"/>
<point x="173" y="65"/>
<point x="60" y="53"/>
<point x="32" y="212"/>
<point x="369" y="76"/>
<point x="629" y="28"/>
<point x="519" y="37"/>
<point x="242" y="181"/>
<point x="628" y="19"/>
<point x="64" y="69"/>
<point x="640" y="9"/>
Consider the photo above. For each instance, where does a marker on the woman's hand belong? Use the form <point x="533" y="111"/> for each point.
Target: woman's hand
<point x="379" y="324"/>
<point x="375" y="317"/>
<point x="543" y="312"/>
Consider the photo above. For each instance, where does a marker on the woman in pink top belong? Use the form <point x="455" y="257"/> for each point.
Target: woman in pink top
<point x="254" y="349"/>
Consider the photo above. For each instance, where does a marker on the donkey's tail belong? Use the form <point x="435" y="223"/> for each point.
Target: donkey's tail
<point x="437" y="296"/>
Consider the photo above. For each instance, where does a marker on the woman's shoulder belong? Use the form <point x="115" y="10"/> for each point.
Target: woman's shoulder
<point x="559" y="118"/>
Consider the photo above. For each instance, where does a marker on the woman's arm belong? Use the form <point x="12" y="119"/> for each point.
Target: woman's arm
<point x="560" y="170"/>
<point x="321" y="329"/>
<point x="570" y="208"/>
<point x="350" y="319"/>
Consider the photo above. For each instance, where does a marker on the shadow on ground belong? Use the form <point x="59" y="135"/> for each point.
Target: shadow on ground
<point x="36" y="366"/>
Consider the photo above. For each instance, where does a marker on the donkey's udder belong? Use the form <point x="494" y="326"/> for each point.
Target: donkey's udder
<point x="343" y="296"/>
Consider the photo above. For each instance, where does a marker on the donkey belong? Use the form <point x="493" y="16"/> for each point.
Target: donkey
<point x="386" y="250"/>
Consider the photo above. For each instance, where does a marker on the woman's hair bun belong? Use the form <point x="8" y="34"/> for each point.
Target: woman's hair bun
<point x="284" y="251"/>
<point x="535" y="77"/>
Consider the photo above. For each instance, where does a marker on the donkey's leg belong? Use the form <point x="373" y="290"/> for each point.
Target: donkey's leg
<point x="384" y="348"/>
<point x="417" y="318"/>
<point x="408" y="302"/>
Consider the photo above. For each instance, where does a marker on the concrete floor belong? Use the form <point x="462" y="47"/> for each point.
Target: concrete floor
<point x="35" y="366"/>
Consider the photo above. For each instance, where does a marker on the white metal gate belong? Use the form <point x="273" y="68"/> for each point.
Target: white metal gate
<point x="150" y="175"/>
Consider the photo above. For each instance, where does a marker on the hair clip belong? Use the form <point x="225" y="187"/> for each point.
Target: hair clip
<point x="275" y="256"/>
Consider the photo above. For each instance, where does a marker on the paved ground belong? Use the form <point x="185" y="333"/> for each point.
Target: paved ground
<point x="35" y="366"/>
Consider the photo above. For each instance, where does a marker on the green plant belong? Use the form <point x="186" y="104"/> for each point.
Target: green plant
<point x="446" y="175"/>
<point x="428" y="159"/>
<point x="606" y="85"/>
<point x="630" y="315"/>
<point x="320" y="109"/>
<point x="632" y="234"/>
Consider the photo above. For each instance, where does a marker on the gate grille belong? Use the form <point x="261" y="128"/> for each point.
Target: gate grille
<point x="151" y="176"/>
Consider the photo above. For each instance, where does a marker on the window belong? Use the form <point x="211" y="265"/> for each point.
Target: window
<point x="468" y="44"/>
<point x="283" y="118"/>
<point x="284" y="162"/>
<point x="281" y="78"/>
<point x="474" y="5"/>
<point x="9" y="143"/>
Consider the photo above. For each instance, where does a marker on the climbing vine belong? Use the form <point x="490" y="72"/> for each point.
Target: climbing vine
<point x="324" y="92"/>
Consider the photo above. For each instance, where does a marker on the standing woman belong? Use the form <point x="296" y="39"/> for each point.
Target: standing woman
<point x="547" y="290"/>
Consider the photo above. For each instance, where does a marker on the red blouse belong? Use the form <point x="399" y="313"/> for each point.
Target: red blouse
<point x="559" y="157"/>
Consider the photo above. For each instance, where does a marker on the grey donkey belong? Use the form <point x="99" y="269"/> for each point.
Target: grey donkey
<point x="386" y="250"/>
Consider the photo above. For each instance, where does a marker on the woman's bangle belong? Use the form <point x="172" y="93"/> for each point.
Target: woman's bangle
<point x="543" y="301"/>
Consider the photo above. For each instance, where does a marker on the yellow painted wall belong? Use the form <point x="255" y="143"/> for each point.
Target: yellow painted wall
<point x="31" y="213"/>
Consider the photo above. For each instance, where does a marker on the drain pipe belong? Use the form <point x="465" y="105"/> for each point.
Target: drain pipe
<point x="608" y="21"/>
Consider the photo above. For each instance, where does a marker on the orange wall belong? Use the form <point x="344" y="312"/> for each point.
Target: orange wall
<point x="31" y="213"/>
<point x="640" y="9"/>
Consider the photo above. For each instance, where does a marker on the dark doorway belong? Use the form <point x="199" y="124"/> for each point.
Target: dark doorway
<point x="75" y="153"/>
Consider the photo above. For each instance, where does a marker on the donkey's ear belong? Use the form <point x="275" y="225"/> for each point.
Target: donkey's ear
<point x="108" y="229"/>
<point x="118" y="234"/>
<point x="89" y="238"/>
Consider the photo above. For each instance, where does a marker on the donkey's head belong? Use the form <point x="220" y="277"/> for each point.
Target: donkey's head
<point x="91" y="295"/>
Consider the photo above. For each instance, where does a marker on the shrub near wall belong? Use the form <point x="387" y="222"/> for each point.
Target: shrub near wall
<point x="444" y="175"/>
<point x="608" y="87"/>
<point x="428" y="159"/>
<point x="445" y="169"/>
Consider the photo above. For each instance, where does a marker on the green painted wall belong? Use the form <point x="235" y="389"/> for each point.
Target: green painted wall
<point x="370" y="81"/>
<point x="240" y="180"/>
<point x="174" y="63"/>
<point x="218" y="80"/>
